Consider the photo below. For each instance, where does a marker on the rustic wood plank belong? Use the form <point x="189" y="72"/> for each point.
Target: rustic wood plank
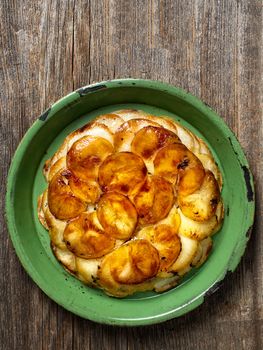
<point x="210" y="48"/>
<point x="35" y="70"/>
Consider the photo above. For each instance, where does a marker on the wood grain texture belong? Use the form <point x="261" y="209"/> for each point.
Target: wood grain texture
<point x="212" y="49"/>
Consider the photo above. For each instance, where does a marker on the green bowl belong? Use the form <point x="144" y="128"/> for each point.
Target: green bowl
<point x="26" y="182"/>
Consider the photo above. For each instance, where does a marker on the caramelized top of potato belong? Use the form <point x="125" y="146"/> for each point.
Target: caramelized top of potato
<point x="165" y="239"/>
<point x="132" y="263"/>
<point x="117" y="215"/>
<point x="153" y="200"/>
<point x="176" y="160"/>
<point x="201" y="205"/>
<point x="122" y="172"/>
<point x="125" y="133"/>
<point x="89" y="191"/>
<point x="85" y="237"/>
<point x="86" y="155"/>
<point x="151" y="138"/>
<point x="62" y="202"/>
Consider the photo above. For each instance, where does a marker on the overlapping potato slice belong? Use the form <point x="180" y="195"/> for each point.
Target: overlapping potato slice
<point x="200" y="230"/>
<point x="128" y="114"/>
<point x="188" y="251"/>
<point x="176" y="160"/>
<point x="111" y="120"/>
<point x="89" y="191"/>
<point x="188" y="138"/>
<point x="219" y="214"/>
<point x="125" y="133"/>
<point x="40" y="210"/>
<point x="85" y="237"/>
<point x="153" y="199"/>
<point x="94" y="129"/>
<point x="209" y="164"/>
<point x="151" y="138"/>
<point x="165" y="239"/>
<point x="117" y="215"/>
<point x="87" y="270"/>
<point x="65" y="257"/>
<point x="61" y="200"/>
<point x="204" y="148"/>
<point x="86" y="155"/>
<point x="164" y="122"/>
<point x="76" y="193"/>
<point x="57" y="166"/>
<point x="122" y="172"/>
<point x="204" y="248"/>
<point x="201" y="205"/>
<point x="132" y="263"/>
<point x="55" y="226"/>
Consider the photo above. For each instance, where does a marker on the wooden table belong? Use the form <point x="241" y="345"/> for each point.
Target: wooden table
<point x="211" y="49"/>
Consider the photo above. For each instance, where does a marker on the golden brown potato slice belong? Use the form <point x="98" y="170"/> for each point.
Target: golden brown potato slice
<point x="132" y="263"/>
<point x="89" y="191"/>
<point x="125" y="133"/>
<point x="153" y="199"/>
<point x="61" y="200"/>
<point x="151" y="138"/>
<point x="86" y="155"/>
<point x="122" y="172"/>
<point x="165" y="239"/>
<point x="201" y="205"/>
<point x="117" y="215"/>
<point x="94" y="129"/>
<point x="175" y="159"/>
<point x="85" y="237"/>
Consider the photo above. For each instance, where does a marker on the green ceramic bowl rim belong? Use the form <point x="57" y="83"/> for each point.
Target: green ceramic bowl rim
<point x="142" y="83"/>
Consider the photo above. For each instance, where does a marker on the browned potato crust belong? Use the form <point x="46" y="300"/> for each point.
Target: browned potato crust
<point x="61" y="200"/>
<point x="117" y="215"/>
<point x="132" y="263"/>
<point x="176" y="163"/>
<point x="85" y="238"/>
<point x="153" y="200"/>
<point x="122" y="172"/>
<point x="151" y="138"/>
<point x="86" y="155"/>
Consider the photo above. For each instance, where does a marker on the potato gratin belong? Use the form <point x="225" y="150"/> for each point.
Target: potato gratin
<point x="131" y="203"/>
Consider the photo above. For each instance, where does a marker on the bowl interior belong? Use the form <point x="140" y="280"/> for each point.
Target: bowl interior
<point x="26" y="182"/>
